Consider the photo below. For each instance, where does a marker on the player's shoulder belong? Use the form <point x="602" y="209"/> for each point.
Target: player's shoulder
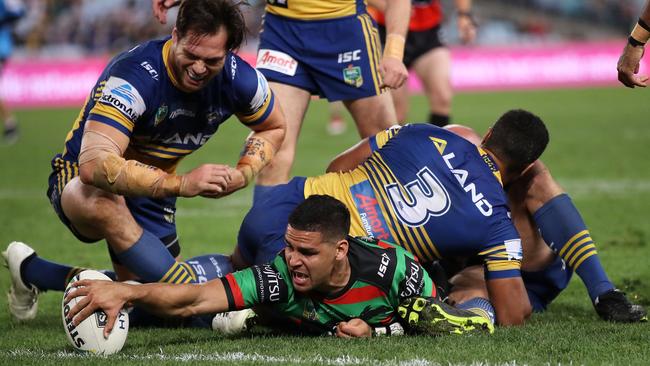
<point x="238" y="70"/>
<point x="374" y="261"/>
<point x="142" y="64"/>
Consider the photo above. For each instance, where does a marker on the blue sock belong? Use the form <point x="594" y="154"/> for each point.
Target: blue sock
<point x="209" y="267"/>
<point x="46" y="275"/>
<point x="480" y="306"/>
<point x="565" y="232"/>
<point x="150" y="260"/>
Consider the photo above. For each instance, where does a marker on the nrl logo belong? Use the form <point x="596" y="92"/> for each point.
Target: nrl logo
<point x="352" y="76"/>
<point x="161" y="114"/>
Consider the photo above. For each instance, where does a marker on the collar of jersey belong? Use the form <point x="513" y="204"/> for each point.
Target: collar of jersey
<point x="165" y="57"/>
<point x="491" y="164"/>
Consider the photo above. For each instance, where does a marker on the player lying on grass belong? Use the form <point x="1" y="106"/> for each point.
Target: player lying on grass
<point x="556" y="243"/>
<point x="322" y="281"/>
<point x="424" y="188"/>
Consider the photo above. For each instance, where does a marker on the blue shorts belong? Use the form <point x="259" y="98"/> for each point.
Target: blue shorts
<point x="154" y="215"/>
<point x="544" y="286"/>
<point x="337" y="59"/>
<point x="261" y="235"/>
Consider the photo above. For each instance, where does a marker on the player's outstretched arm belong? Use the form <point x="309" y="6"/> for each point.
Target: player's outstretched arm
<point x="162" y="298"/>
<point x="510" y="300"/>
<point x="391" y="67"/>
<point x="629" y="61"/>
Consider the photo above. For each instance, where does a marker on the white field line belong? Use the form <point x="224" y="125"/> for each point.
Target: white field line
<point x="343" y="360"/>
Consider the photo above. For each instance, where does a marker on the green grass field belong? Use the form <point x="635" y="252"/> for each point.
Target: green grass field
<point x="598" y="152"/>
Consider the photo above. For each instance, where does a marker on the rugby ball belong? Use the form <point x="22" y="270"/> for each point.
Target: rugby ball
<point x="88" y="336"/>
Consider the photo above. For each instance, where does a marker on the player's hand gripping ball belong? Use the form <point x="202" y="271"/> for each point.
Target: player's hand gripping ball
<point x="88" y="336"/>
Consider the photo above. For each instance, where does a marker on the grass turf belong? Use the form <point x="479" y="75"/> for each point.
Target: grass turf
<point x="597" y="152"/>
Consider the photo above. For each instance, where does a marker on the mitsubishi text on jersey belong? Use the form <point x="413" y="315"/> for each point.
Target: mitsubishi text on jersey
<point x="383" y="275"/>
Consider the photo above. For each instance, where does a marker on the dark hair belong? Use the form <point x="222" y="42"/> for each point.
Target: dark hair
<point x="518" y="138"/>
<point x="208" y="16"/>
<point x="323" y="214"/>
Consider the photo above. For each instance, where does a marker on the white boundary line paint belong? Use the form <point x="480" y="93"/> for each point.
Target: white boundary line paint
<point x="343" y="360"/>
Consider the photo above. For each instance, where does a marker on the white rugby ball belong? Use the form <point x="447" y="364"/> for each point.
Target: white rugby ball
<point x="88" y="336"/>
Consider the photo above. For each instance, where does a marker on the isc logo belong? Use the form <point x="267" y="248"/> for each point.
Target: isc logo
<point x="349" y="56"/>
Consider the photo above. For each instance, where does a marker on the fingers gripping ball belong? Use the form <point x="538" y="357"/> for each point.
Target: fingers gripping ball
<point x="88" y="336"/>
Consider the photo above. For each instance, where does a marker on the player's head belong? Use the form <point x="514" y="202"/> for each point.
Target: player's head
<point x="518" y="138"/>
<point x="316" y="242"/>
<point x="205" y="31"/>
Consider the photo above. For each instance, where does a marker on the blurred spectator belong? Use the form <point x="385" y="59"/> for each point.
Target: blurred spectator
<point x="83" y="27"/>
<point x="10" y="11"/>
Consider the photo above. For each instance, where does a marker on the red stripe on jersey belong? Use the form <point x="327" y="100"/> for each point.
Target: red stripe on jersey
<point x="385" y="245"/>
<point x="236" y="291"/>
<point x="356" y="295"/>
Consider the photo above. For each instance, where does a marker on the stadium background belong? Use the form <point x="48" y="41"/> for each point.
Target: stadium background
<point x="556" y="58"/>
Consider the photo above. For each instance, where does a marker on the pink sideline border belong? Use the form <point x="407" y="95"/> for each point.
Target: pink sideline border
<point x="64" y="83"/>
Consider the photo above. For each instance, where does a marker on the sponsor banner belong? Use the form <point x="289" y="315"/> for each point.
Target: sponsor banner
<point x="66" y="83"/>
<point x="542" y="66"/>
<point x="49" y="82"/>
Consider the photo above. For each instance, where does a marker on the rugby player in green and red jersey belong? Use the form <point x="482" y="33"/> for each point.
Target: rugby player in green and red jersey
<point x="323" y="282"/>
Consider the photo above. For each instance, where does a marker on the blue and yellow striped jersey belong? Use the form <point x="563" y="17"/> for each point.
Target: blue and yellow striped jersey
<point x="432" y="192"/>
<point x="315" y="9"/>
<point x="136" y="94"/>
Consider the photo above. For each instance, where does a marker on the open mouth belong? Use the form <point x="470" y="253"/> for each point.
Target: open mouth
<point x="195" y="79"/>
<point x="298" y="278"/>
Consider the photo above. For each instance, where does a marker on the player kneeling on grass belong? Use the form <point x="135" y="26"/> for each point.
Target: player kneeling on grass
<point x="323" y="281"/>
<point x="556" y="243"/>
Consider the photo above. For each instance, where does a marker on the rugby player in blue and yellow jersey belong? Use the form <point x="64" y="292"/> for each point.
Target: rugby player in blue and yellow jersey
<point x="153" y="105"/>
<point x="322" y="282"/>
<point x="329" y="48"/>
<point x="427" y="190"/>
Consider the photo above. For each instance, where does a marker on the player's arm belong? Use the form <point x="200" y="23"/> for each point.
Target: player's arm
<point x="504" y="283"/>
<point x="391" y="67"/>
<point x="357" y="154"/>
<point x="510" y="300"/>
<point x="162" y="298"/>
<point x="351" y="158"/>
<point x="629" y="62"/>
<point x="466" y="24"/>
<point x="101" y="164"/>
<point x="260" y="147"/>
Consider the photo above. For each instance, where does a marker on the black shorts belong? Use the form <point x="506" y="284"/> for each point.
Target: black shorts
<point x="417" y="43"/>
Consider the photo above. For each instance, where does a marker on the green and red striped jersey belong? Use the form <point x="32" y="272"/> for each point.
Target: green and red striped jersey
<point x="382" y="276"/>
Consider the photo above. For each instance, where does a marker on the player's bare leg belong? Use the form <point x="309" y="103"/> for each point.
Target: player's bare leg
<point x="401" y="101"/>
<point x="434" y="70"/>
<point x="294" y="102"/>
<point x="372" y="114"/>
